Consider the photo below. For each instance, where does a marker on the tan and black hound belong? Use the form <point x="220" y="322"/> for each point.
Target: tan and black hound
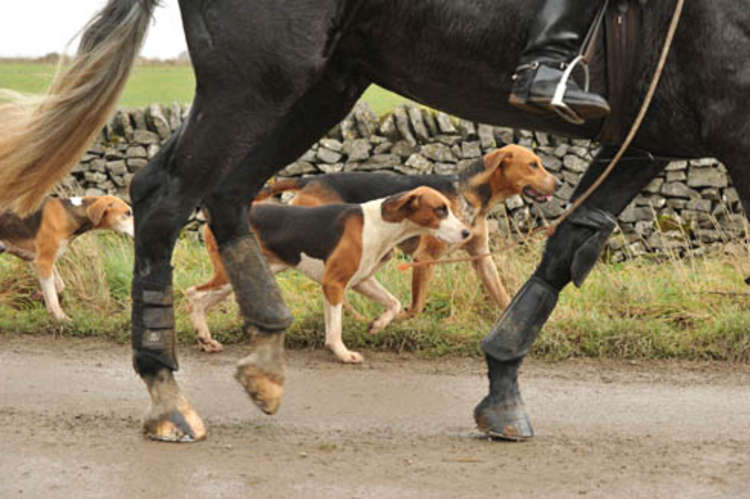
<point x="473" y="193"/>
<point x="45" y="234"/>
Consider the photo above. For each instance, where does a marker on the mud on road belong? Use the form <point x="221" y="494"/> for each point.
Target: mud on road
<point x="394" y="427"/>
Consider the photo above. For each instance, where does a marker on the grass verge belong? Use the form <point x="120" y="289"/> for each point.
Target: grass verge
<point x="695" y="308"/>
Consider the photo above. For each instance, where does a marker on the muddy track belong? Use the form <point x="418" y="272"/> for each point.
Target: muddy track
<point x="395" y="427"/>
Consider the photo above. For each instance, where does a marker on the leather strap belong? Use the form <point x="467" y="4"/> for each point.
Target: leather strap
<point x="622" y="24"/>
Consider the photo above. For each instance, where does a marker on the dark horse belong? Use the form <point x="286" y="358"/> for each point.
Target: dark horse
<point x="274" y="75"/>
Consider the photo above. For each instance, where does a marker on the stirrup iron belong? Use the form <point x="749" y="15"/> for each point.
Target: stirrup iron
<point x="558" y="99"/>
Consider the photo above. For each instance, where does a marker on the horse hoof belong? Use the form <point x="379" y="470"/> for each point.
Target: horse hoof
<point x="262" y="372"/>
<point x="502" y="421"/>
<point x="181" y="424"/>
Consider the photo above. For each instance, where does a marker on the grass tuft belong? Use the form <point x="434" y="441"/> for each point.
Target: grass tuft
<point x="645" y="308"/>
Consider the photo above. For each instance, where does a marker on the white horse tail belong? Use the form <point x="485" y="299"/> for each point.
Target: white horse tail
<point x="42" y="139"/>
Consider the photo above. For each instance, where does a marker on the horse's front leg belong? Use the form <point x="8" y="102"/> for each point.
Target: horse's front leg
<point x="569" y="256"/>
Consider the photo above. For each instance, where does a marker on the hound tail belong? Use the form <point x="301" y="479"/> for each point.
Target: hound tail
<point x="279" y="186"/>
<point x="42" y="139"/>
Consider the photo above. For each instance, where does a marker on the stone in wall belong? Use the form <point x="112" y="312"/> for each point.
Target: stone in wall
<point x="356" y="150"/>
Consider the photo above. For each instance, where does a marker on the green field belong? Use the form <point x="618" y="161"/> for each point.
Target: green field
<point x="150" y="83"/>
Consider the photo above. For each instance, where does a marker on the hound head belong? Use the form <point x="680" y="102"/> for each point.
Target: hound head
<point x="513" y="170"/>
<point x="428" y="209"/>
<point x="111" y="212"/>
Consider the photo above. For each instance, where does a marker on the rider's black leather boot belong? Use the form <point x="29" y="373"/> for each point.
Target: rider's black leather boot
<point x="555" y="38"/>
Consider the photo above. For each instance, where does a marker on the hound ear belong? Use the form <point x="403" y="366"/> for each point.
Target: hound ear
<point x="97" y="210"/>
<point x="397" y="207"/>
<point x="495" y="159"/>
<point x="492" y="162"/>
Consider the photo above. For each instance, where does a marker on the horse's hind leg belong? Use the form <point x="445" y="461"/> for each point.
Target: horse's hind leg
<point x="246" y="96"/>
<point x="164" y="194"/>
<point x="320" y="108"/>
<point x="190" y="166"/>
<point x="568" y="256"/>
<point x="160" y="211"/>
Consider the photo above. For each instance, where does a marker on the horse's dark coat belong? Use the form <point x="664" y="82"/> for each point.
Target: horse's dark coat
<point x="274" y="75"/>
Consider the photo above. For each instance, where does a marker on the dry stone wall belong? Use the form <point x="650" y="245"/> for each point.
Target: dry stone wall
<point x="691" y="205"/>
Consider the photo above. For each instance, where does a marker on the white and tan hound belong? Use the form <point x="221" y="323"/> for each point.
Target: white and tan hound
<point x="338" y="245"/>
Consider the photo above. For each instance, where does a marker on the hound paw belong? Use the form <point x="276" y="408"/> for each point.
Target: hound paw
<point x="375" y="327"/>
<point x="209" y="345"/>
<point x="63" y="317"/>
<point x="345" y="355"/>
<point x="351" y="358"/>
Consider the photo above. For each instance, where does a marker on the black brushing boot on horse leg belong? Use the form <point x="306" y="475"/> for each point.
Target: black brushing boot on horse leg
<point x="170" y="416"/>
<point x="266" y="316"/>
<point x="569" y="255"/>
<point x="261" y="305"/>
<point x="501" y="413"/>
<point x="554" y="39"/>
<point x="256" y="290"/>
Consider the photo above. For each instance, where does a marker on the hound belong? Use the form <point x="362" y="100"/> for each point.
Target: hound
<point x="340" y="246"/>
<point x="45" y="234"/>
<point x="473" y="193"/>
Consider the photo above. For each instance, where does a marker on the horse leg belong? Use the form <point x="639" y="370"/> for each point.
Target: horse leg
<point x="569" y="255"/>
<point x="163" y="198"/>
<point x="262" y="372"/>
<point x="245" y="95"/>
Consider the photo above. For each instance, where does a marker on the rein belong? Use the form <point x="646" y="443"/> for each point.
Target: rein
<point x="550" y="229"/>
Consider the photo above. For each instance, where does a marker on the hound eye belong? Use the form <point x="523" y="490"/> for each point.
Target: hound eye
<point x="128" y="213"/>
<point x="534" y="165"/>
<point x="442" y="211"/>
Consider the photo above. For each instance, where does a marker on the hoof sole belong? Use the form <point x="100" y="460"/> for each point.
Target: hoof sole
<point x="181" y="426"/>
<point x="264" y="390"/>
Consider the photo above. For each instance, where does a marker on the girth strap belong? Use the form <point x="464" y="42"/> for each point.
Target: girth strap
<point x="622" y="25"/>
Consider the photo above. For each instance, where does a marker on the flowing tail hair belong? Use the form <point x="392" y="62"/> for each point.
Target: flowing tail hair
<point x="42" y="139"/>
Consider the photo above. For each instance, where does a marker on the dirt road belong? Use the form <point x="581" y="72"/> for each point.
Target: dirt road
<point x="395" y="427"/>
